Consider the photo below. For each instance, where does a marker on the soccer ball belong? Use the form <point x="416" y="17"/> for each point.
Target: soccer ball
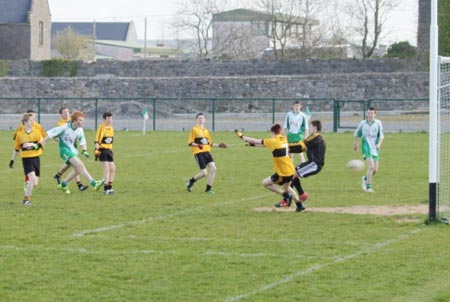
<point x="356" y="165"/>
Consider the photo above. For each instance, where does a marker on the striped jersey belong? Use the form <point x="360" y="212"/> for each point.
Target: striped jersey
<point x="105" y="136"/>
<point x="282" y="163"/>
<point x="202" y="136"/>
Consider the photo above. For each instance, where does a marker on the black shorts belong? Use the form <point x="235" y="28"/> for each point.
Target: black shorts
<point x="203" y="159"/>
<point x="32" y="164"/>
<point x="280" y="180"/>
<point x="106" y="155"/>
<point x="308" y="168"/>
<point x="295" y="149"/>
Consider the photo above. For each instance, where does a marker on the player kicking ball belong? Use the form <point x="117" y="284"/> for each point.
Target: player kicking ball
<point x="283" y="166"/>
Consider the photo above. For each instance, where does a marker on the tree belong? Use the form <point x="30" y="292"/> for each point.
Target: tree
<point x="194" y="17"/>
<point x="291" y="24"/>
<point x="423" y="30"/>
<point x="444" y="28"/>
<point x="73" y="46"/>
<point x="369" y="17"/>
<point x="401" y="50"/>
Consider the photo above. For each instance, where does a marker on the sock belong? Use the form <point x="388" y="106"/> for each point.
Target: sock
<point x="208" y="188"/>
<point x="192" y="180"/>
<point x="297" y="186"/>
<point x="93" y="183"/>
<point x="63" y="184"/>
<point x="79" y="184"/>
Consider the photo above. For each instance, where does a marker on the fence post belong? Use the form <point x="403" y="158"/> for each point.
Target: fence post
<point x="335" y="115"/>
<point x="273" y="111"/>
<point x="213" y="106"/>
<point x="96" y="114"/>
<point x="154" y="114"/>
<point x="39" y="109"/>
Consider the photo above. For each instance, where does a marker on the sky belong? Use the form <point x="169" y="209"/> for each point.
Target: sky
<point x="160" y="14"/>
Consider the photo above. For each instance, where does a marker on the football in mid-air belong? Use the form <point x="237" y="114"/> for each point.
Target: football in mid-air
<point x="356" y="165"/>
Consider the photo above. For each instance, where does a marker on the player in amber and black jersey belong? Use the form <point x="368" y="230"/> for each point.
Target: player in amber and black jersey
<point x="26" y="141"/>
<point x="201" y="143"/>
<point x="282" y="163"/>
<point x="103" y="151"/>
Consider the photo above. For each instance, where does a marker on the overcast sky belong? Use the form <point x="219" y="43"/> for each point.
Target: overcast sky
<point x="160" y="14"/>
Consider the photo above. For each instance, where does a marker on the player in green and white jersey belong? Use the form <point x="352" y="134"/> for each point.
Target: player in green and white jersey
<point x="371" y="133"/>
<point x="68" y="134"/>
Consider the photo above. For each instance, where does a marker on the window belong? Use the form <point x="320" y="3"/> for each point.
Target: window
<point x="41" y="33"/>
<point x="258" y="27"/>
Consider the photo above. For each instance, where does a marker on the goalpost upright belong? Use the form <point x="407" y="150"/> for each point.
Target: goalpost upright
<point x="433" y="173"/>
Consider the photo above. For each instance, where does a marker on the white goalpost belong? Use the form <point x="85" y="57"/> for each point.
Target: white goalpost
<point x="439" y="132"/>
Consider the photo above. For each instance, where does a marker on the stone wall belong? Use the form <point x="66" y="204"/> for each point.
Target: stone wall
<point x="204" y="68"/>
<point x="336" y="86"/>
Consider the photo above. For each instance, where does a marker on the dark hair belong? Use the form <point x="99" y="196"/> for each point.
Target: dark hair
<point x="276" y="129"/>
<point x="61" y="109"/>
<point x="372" y="109"/>
<point x="317" y="124"/>
<point x="297" y="102"/>
<point x="199" y="114"/>
<point x="106" y="114"/>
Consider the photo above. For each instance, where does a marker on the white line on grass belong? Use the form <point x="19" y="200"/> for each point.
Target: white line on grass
<point x="317" y="267"/>
<point x="36" y="248"/>
<point x="160" y="217"/>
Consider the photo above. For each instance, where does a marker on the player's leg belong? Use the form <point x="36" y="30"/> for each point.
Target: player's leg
<point x="369" y="175"/>
<point x="211" y="176"/>
<point x="60" y="172"/>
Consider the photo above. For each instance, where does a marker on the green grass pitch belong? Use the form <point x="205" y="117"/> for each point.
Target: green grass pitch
<point x="154" y="241"/>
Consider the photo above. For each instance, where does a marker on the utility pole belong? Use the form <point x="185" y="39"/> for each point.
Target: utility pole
<point x="94" y="36"/>
<point x="145" y="39"/>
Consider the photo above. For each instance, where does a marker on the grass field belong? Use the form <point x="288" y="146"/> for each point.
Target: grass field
<point x="154" y="241"/>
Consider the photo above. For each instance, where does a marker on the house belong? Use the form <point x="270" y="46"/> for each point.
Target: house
<point x="25" y="30"/>
<point x="246" y="34"/>
<point x="113" y="40"/>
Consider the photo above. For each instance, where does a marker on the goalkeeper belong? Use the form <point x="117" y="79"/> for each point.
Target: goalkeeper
<point x="283" y="166"/>
<point x="201" y="143"/>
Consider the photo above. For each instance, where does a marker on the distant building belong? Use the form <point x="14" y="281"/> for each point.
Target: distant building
<point x="25" y="30"/>
<point x="246" y="34"/>
<point x="116" y="41"/>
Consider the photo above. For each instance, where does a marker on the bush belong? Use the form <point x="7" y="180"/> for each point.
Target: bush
<point x="60" y="68"/>
<point x="401" y="50"/>
<point x="4" y="69"/>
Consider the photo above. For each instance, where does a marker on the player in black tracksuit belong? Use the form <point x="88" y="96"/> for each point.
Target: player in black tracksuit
<point x="315" y="147"/>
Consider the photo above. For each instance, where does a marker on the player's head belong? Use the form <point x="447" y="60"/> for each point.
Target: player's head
<point x="107" y="114"/>
<point x="275" y="129"/>
<point x="317" y="124"/>
<point x="371" y="113"/>
<point x="200" y="117"/>
<point x="27" y="117"/>
<point x="64" y="112"/>
<point x="77" y="118"/>
<point x="297" y="106"/>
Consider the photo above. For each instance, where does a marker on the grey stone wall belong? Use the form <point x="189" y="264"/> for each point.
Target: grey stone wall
<point x="336" y="86"/>
<point x="203" y="68"/>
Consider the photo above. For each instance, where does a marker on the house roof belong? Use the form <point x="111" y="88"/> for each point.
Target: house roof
<point x="103" y="30"/>
<point x="14" y="11"/>
<point x="245" y="15"/>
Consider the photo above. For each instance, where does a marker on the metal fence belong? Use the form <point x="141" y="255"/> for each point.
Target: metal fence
<point x="252" y="114"/>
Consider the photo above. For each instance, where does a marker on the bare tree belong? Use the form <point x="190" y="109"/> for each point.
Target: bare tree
<point x="194" y="18"/>
<point x="73" y="46"/>
<point x="369" y="18"/>
<point x="293" y="24"/>
<point x="423" y="32"/>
